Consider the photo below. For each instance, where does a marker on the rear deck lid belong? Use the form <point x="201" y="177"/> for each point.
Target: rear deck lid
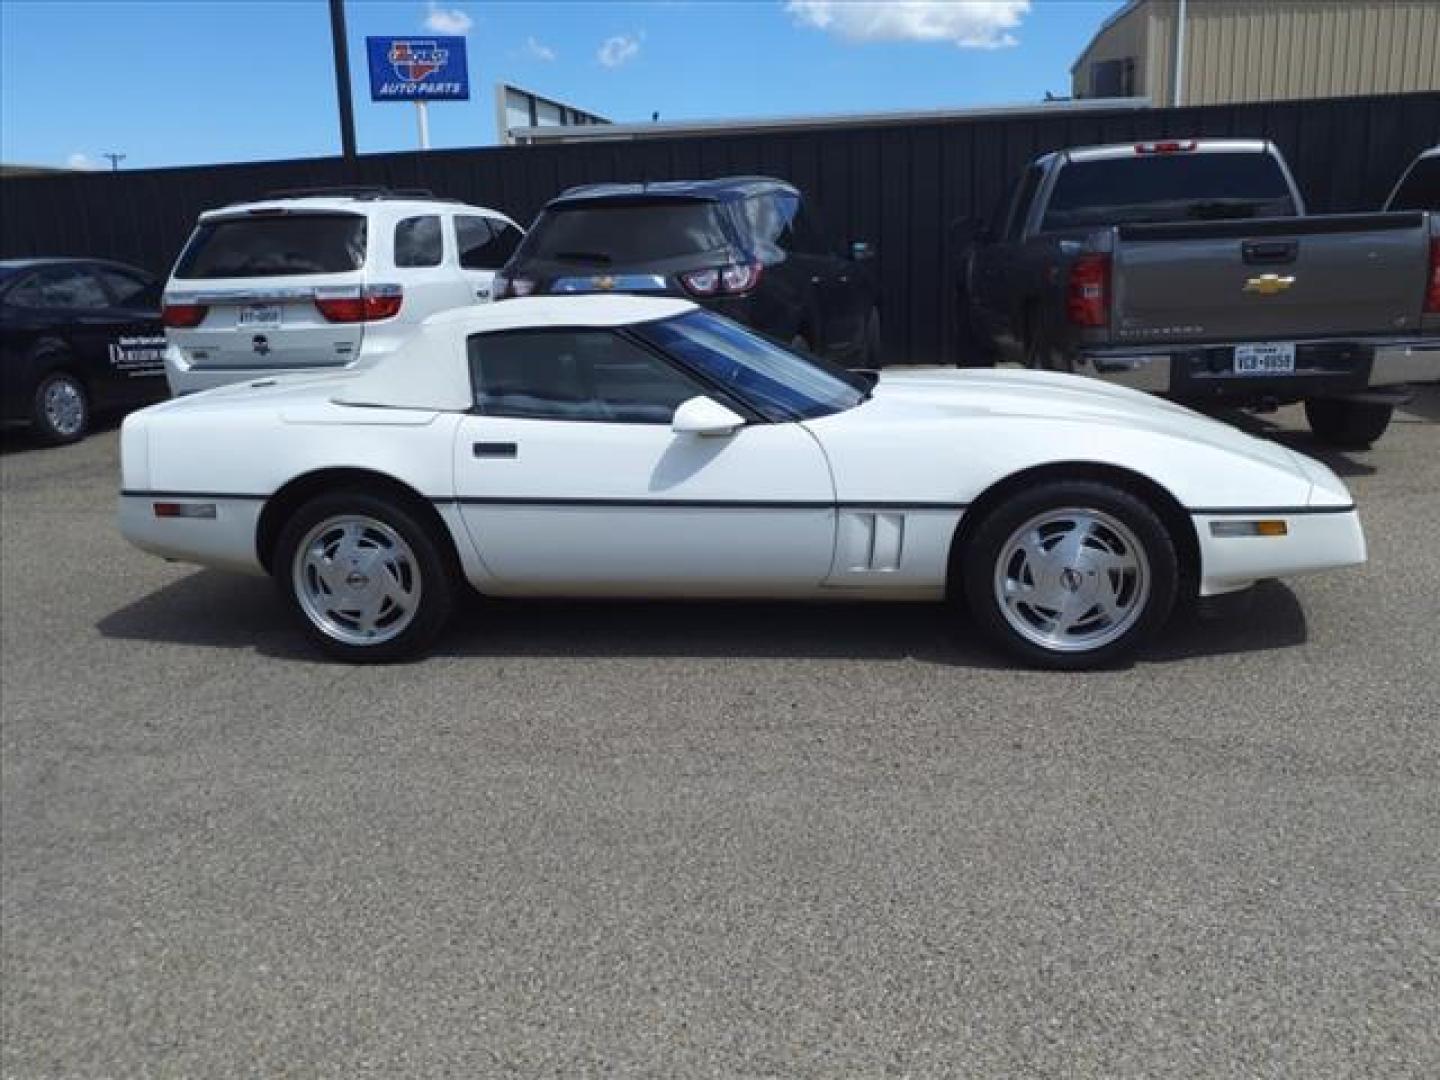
<point x="629" y="244"/>
<point x="258" y="275"/>
<point x="1280" y="280"/>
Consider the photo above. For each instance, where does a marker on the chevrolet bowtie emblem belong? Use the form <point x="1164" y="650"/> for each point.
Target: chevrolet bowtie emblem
<point x="604" y="281"/>
<point x="1269" y="284"/>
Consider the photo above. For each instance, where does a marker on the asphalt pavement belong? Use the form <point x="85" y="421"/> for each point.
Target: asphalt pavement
<point x="682" y="840"/>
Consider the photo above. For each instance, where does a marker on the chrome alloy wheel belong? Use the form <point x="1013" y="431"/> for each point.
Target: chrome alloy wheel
<point x="1072" y="580"/>
<point x="357" y="580"/>
<point x="64" y="405"/>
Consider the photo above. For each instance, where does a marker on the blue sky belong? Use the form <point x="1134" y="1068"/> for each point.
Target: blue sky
<point x="173" y="82"/>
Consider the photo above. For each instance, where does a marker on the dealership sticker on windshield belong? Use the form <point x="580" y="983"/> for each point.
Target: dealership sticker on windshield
<point x="254" y="316"/>
<point x="1272" y="358"/>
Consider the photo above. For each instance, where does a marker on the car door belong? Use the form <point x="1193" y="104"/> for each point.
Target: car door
<point x="842" y="293"/>
<point x="997" y="268"/>
<point x="72" y="298"/>
<point x="136" y="351"/>
<point x="484" y="244"/>
<point x="570" y="479"/>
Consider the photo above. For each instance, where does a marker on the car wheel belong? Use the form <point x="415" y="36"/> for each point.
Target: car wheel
<point x="872" y="340"/>
<point x="1349" y="425"/>
<point x="60" y="412"/>
<point x="368" y="580"/>
<point x="1070" y="575"/>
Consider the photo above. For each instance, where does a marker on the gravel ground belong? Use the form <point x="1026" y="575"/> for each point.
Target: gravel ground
<point x="717" y="841"/>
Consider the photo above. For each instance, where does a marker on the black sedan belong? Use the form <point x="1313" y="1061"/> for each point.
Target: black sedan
<point x="77" y="337"/>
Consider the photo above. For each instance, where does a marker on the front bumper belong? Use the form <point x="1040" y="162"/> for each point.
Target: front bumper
<point x="1202" y="373"/>
<point x="1316" y="539"/>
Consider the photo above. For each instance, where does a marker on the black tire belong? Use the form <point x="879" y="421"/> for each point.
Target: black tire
<point x="1149" y="608"/>
<point x="433" y="565"/>
<point x="1348" y="425"/>
<point x="60" y="409"/>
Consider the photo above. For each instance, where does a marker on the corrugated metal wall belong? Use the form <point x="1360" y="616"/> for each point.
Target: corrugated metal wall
<point x="896" y="185"/>
<point x="1275" y="50"/>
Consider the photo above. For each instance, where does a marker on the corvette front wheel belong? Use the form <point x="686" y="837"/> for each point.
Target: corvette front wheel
<point x="368" y="579"/>
<point x="1071" y="574"/>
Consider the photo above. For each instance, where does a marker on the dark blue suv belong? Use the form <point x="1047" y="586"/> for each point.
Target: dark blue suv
<point x="748" y="247"/>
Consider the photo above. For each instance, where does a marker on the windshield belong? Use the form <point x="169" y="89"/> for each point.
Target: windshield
<point x="1168" y="187"/>
<point x="613" y="234"/>
<point x="777" y="383"/>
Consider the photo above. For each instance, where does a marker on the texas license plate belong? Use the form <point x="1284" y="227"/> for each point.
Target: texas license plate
<point x="1268" y="359"/>
<point x="257" y="316"/>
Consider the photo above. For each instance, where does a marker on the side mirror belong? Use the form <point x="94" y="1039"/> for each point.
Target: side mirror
<point x="862" y="250"/>
<point x="705" y="416"/>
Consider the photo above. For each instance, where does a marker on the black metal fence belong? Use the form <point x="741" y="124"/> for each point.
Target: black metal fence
<point x="898" y="185"/>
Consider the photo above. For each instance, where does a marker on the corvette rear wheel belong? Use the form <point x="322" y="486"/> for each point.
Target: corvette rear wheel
<point x="1071" y="575"/>
<point x="369" y="581"/>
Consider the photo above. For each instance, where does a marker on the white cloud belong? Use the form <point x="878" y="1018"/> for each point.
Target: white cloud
<point x="538" y="51"/>
<point x="969" y="24"/>
<point x="81" y="161"/>
<point x="620" y="49"/>
<point x="446" y="20"/>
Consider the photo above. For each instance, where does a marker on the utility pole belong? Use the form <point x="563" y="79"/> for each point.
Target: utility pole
<point x="342" y="78"/>
<point x="115" y="160"/>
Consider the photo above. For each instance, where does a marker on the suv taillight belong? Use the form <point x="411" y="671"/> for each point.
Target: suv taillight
<point x="182" y="316"/>
<point x="732" y="280"/>
<point x="1087" y="297"/>
<point x="1432" y="294"/>
<point x="372" y="303"/>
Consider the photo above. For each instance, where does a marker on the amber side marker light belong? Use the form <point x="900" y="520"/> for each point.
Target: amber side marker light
<point x="1249" y="528"/>
<point x="184" y="510"/>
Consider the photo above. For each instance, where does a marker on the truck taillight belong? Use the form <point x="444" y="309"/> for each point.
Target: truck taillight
<point x="360" y="305"/>
<point x="1087" y="298"/>
<point x="183" y="316"/>
<point x="1169" y="146"/>
<point x="1432" y="293"/>
<point x="731" y="280"/>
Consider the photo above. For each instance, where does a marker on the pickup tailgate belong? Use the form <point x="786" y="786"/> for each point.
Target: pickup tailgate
<point x="1281" y="279"/>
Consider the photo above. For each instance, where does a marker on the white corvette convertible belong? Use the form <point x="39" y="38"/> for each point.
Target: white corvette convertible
<point x="626" y="446"/>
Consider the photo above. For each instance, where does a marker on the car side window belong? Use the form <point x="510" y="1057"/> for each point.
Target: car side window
<point x="593" y="375"/>
<point x="485" y="243"/>
<point x="124" y="288"/>
<point x="60" y="288"/>
<point x="803" y="233"/>
<point x="418" y="241"/>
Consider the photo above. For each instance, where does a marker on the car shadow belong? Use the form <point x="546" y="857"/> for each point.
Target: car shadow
<point x="213" y="609"/>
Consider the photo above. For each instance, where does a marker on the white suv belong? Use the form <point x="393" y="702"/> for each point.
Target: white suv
<point x="336" y="279"/>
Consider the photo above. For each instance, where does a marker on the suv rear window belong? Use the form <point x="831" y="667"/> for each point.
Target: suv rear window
<point x="626" y="233"/>
<point x="275" y="246"/>
<point x="1168" y="187"/>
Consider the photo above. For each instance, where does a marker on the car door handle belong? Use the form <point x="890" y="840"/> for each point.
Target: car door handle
<point x="495" y="450"/>
<point x="1269" y="252"/>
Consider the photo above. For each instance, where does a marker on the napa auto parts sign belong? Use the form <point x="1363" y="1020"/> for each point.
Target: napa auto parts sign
<point x="418" y="69"/>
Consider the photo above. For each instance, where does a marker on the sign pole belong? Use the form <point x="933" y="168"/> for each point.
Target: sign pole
<point x="422" y="114"/>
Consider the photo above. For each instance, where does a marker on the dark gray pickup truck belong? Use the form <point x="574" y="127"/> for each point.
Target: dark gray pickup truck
<point x="1189" y="268"/>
